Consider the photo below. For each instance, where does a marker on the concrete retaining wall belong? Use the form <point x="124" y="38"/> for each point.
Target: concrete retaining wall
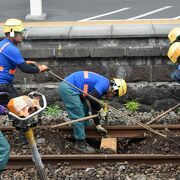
<point x="136" y="52"/>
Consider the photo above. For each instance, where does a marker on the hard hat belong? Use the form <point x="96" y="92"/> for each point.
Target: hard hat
<point x="13" y="25"/>
<point x="174" y="52"/>
<point x="120" y="85"/>
<point x="174" y="34"/>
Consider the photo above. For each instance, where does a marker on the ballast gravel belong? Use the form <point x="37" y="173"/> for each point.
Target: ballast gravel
<point x="56" y="142"/>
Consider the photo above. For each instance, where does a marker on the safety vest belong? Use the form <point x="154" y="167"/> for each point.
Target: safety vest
<point x="10" y="71"/>
<point x="88" y="81"/>
<point x="86" y="86"/>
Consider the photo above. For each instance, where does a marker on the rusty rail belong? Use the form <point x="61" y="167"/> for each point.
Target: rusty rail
<point x="118" y="131"/>
<point x="85" y="160"/>
<point x="82" y="160"/>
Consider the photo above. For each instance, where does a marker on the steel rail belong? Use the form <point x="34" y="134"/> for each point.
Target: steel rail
<point x="117" y="131"/>
<point x="83" y="160"/>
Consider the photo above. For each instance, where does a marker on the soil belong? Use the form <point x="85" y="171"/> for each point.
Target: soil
<point x="56" y="142"/>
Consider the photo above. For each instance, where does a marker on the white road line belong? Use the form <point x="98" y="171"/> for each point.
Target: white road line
<point x="178" y="17"/>
<point x="151" y="12"/>
<point x="106" y="14"/>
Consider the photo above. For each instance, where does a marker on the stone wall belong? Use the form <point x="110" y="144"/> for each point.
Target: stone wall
<point x="136" y="53"/>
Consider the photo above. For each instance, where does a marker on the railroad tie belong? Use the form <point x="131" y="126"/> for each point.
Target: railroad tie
<point x="110" y="144"/>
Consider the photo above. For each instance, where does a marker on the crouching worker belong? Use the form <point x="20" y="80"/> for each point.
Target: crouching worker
<point x="77" y="102"/>
<point x="4" y="145"/>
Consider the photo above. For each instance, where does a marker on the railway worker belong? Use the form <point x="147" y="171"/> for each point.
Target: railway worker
<point x="4" y="145"/>
<point x="11" y="58"/>
<point x="174" y="52"/>
<point x="77" y="103"/>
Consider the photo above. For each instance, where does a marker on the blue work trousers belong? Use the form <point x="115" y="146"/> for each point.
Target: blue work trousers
<point x="75" y="108"/>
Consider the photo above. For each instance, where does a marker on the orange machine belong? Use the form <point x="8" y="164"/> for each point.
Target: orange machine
<point x="23" y="106"/>
<point x="22" y="111"/>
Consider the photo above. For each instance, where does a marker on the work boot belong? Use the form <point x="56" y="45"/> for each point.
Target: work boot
<point x="84" y="147"/>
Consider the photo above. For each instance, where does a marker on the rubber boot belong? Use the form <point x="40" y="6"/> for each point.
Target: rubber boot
<point x="83" y="147"/>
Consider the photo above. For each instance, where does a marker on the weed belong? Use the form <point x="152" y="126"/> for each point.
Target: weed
<point x="52" y="111"/>
<point x="132" y="105"/>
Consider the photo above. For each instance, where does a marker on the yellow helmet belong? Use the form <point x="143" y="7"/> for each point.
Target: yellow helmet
<point x="120" y="85"/>
<point x="174" y="34"/>
<point x="13" y="25"/>
<point x="174" y="52"/>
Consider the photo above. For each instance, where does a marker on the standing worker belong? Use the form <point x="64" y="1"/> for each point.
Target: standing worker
<point x="77" y="103"/>
<point x="174" y="52"/>
<point x="11" y="58"/>
<point x="4" y="145"/>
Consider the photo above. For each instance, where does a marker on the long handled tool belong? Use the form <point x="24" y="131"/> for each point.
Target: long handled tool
<point x="77" y="120"/>
<point x="35" y="154"/>
<point x="115" y="110"/>
<point x="164" y="113"/>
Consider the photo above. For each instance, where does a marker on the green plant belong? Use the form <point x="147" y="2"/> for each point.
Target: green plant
<point x="52" y="110"/>
<point x="132" y="105"/>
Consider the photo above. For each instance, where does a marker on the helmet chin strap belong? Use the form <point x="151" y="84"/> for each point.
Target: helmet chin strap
<point x="12" y="33"/>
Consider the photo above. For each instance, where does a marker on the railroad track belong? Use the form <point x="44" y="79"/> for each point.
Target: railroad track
<point x="84" y="160"/>
<point x="117" y="131"/>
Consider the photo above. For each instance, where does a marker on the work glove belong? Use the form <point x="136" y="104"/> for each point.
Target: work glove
<point x="31" y="62"/>
<point x="102" y="114"/>
<point x="43" y="68"/>
<point x="101" y="130"/>
<point x="3" y="110"/>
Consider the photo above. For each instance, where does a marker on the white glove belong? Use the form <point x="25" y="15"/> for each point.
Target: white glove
<point x="102" y="114"/>
<point x="100" y="129"/>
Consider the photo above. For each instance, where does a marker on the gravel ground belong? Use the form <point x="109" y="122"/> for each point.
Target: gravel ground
<point x="117" y="171"/>
<point x="54" y="141"/>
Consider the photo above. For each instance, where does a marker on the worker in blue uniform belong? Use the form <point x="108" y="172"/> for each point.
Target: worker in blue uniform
<point x="11" y="59"/>
<point x="4" y="145"/>
<point x="174" y="52"/>
<point x="78" y="104"/>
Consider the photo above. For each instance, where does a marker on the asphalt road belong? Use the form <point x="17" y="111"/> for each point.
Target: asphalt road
<point x="86" y="10"/>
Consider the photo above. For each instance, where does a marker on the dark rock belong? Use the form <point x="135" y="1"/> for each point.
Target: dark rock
<point x="164" y="104"/>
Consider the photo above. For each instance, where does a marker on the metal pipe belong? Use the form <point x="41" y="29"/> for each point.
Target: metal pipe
<point x="77" y="120"/>
<point x="35" y="155"/>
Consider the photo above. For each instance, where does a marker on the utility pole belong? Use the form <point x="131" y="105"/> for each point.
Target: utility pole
<point x="36" y="11"/>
